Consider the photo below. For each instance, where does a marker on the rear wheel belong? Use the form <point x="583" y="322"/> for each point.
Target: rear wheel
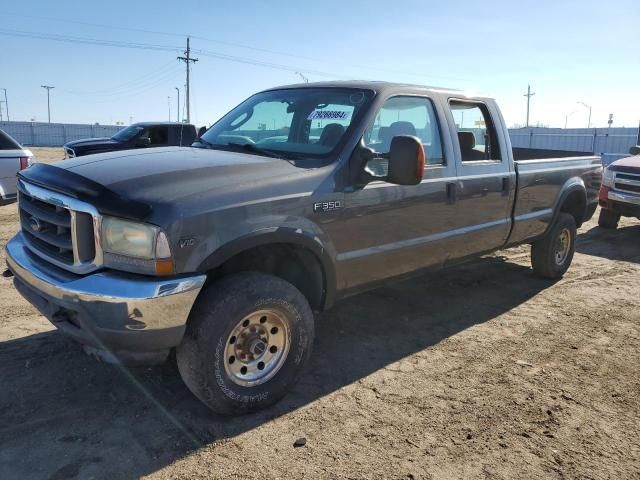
<point x="551" y="256"/>
<point x="608" y="219"/>
<point x="246" y="343"/>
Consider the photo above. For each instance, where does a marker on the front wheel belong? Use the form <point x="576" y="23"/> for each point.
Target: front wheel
<point x="551" y="256"/>
<point x="246" y="343"/>
<point x="608" y="219"/>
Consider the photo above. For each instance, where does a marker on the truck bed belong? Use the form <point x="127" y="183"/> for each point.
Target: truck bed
<point x="541" y="179"/>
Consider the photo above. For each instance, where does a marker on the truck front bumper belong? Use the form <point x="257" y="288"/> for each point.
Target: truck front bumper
<point x="625" y="204"/>
<point x="123" y="318"/>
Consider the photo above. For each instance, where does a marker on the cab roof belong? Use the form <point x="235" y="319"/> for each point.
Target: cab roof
<point x="377" y="86"/>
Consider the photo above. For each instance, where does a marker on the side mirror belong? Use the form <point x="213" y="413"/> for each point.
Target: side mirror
<point x="143" y="142"/>
<point x="635" y="150"/>
<point x="406" y="160"/>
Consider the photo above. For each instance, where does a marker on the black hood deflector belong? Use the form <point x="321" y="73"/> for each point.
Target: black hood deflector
<point x="63" y="181"/>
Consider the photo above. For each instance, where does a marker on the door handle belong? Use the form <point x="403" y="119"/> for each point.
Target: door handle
<point x="505" y="186"/>
<point x="451" y="192"/>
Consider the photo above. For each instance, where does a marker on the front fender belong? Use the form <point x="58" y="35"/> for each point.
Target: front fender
<point x="311" y="241"/>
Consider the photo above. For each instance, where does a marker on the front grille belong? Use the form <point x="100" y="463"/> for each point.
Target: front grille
<point x="627" y="182"/>
<point x="55" y="231"/>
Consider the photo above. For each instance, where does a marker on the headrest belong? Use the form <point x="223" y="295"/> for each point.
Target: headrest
<point x="384" y="134"/>
<point x="402" y="128"/>
<point x="331" y="134"/>
<point x="467" y="141"/>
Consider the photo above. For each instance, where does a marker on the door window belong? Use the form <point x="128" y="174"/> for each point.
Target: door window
<point x="157" y="136"/>
<point x="406" y="116"/>
<point x="476" y="133"/>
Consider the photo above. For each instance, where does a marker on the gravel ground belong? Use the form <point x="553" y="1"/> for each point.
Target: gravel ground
<point x="483" y="371"/>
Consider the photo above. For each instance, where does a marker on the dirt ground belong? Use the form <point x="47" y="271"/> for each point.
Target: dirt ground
<point x="483" y="371"/>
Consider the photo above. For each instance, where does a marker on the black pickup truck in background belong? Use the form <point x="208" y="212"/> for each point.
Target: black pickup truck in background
<point x="137" y="135"/>
<point x="295" y="199"/>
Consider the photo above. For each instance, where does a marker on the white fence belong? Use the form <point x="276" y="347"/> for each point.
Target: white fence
<point x="611" y="143"/>
<point x="35" y="134"/>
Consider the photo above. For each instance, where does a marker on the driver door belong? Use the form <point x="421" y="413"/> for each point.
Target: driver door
<point x="390" y="230"/>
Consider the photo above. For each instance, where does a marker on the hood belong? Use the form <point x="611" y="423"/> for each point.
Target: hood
<point x="168" y="174"/>
<point x="90" y="142"/>
<point x="627" y="164"/>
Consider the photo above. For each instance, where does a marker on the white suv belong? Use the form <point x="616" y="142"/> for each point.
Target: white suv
<point x="13" y="158"/>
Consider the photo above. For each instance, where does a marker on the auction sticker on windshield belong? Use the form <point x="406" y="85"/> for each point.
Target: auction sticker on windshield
<point x="328" y="115"/>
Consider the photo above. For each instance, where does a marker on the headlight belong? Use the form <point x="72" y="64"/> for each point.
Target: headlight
<point x="608" y="178"/>
<point x="135" y="247"/>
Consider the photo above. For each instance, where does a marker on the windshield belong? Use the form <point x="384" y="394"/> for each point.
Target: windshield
<point x="127" y="133"/>
<point x="298" y="122"/>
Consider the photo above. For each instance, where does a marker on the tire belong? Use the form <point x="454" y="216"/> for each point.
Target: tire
<point x="608" y="219"/>
<point x="548" y="257"/>
<point x="245" y="315"/>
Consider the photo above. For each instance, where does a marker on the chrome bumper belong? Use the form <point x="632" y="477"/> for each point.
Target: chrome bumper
<point x="624" y="197"/>
<point x="120" y="317"/>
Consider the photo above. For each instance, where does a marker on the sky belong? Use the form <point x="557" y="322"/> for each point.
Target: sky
<point x="569" y="51"/>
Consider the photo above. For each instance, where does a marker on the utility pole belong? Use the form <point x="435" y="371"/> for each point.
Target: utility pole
<point x="588" y="107"/>
<point x="187" y="60"/>
<point x="1" y="102"/>
<point x="6" y="103"/>
<point x="529" y="94"/>
<point x="169" y="105"/>
<point x="48" y="102"/>
<point x="178" y="106"/>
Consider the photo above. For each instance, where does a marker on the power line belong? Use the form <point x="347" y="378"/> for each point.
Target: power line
<point x="88" y="40"/>
<point x="125" y="86"/>
<point x="236" y="45"/>
<point x="138" y="86"/>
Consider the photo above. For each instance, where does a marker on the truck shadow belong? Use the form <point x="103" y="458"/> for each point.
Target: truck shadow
<point x="620" y="244"/>
<point x="65" y="415"/>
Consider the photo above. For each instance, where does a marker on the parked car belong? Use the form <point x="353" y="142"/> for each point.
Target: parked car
<point x="223" y="251"/>
<point x="13" y="158"/>
<point x="620" y="191"/>
<point x="137" y="135"/>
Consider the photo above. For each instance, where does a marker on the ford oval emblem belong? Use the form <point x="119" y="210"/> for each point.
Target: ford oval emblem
<point x="35" y="224"/>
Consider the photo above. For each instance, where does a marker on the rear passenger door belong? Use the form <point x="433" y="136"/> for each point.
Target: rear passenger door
<point x="486" y="183"/>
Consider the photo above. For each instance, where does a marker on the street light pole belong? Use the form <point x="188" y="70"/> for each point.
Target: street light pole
<point x="48" y="101"/>
<point x="169" y="105"/>
<point x="6" y="103"/>
<point x="178" y="108"/>
<point x="589" y="108"/>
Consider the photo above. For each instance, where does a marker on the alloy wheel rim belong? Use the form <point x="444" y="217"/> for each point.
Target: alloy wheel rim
<point x="256" y="348"/>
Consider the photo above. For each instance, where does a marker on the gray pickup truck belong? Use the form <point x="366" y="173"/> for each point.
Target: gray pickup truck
<point x="299" y="196"/>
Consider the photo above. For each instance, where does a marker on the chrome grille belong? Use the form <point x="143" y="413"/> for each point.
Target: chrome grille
<point x="59" y="229"/>
<point x="627" y="182"/>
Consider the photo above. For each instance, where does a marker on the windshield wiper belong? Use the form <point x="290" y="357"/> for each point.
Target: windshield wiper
<point x="250" y="147"/>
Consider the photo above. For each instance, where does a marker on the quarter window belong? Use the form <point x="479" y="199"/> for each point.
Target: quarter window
<point x="406" y="116"/>
<point x="476" y="133"/>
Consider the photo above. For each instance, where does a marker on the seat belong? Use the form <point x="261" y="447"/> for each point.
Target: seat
<point x="331" y="135"/>
<point x="467" y="143"/>
<point x="386" y="134"/>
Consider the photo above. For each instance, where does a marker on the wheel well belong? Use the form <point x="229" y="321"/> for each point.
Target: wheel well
<point x="295" y="264"/>
<point x="575" y="204"/>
